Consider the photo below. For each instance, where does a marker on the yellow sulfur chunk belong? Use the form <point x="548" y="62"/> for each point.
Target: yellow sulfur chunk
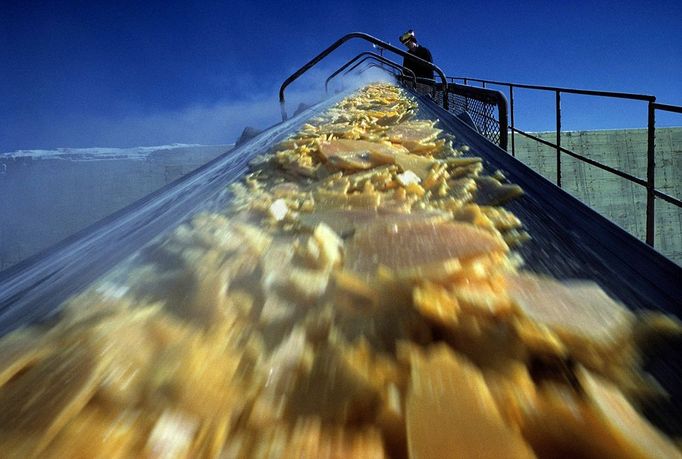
<point x="419" y="249"/>
<point x="435" y="302"/>
<point x="96" y="433"/>
<point x="419" y="165"/>
<point x="39" y="403"/>
<point x="626" y="433"/>
<point x="580" y="313"/>
<point x="415" y="188"/>
<point x="450" y="412"/>
<point x="19" y="350"/>
<point x="416" y="136"/>
<point x="358" y="154"/>
<point x="330" y="200"/>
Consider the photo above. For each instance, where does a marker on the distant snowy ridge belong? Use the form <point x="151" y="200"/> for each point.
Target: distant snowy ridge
<point x="103" y="153"/>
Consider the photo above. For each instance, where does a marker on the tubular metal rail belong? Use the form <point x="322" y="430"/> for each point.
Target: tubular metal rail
<point x="342" y="40"/>
<point x="481" y="104"/>
<point x="362" y="57"/>
<point x="649" y="183"/>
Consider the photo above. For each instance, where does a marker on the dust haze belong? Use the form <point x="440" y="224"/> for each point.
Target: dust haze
<point x="208" y="124"/>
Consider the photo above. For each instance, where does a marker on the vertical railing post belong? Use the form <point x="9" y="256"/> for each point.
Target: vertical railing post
<point x="651" y="175"/>
<point x="282" y="110"/>
<point x="465" y="81"/>
<point x="558" y="138"/>
<point x="511" y="108"/>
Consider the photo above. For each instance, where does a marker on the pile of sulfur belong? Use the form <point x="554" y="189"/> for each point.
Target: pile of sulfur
<point x="358" y="297"/>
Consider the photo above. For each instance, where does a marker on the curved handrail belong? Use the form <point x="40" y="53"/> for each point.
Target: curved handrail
<point x="371" y="39"/>
<point x="368" y="54"/>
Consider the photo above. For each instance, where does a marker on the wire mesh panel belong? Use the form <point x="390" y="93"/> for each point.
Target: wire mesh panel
<point x="487" y="108"/>
<point x="484" y="114"/>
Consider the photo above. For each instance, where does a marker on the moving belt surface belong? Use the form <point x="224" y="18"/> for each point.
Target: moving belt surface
<point x="568" y="240"/>
<point x="32" y="290"/>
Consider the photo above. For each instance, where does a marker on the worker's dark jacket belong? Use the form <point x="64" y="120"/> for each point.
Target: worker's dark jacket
<point x="420" y="70"/>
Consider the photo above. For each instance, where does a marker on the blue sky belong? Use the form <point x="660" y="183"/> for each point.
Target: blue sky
<point x="84" y="74"/>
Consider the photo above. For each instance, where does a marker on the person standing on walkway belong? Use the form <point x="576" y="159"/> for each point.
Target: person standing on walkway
<point x="420" y="69"/>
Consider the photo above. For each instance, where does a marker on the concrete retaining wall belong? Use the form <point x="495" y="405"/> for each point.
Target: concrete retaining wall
<point x="45" y="198"/>
<point x="618" y="199"/>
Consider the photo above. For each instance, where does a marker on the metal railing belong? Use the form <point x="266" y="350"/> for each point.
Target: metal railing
<point x="652" y="106"/>
<point x="339" y="42"/>
<point x="362" y="57"/>
<point x="448" y="84"/>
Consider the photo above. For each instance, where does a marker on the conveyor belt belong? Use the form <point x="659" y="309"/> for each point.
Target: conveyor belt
<point x="32" y="290"/>
<point x="569" y="240"/>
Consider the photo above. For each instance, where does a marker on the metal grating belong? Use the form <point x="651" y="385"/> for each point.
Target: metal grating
<point x="483" y="113"/>
<point x="485" y="109"/>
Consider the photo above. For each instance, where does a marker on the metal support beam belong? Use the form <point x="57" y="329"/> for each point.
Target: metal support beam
<point x="651" y="175"/>
<point x="511" y="109"/>
<point x="558" y="138"/>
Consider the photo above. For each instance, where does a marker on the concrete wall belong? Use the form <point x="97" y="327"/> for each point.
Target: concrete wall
<point x="618" y="199"/>
<point x="45" y="198"/>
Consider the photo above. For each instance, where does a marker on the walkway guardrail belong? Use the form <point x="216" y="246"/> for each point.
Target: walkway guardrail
<point x="652" y="106"/>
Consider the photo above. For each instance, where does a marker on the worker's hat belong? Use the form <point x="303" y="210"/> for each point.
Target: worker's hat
<point x="407" y="36"/>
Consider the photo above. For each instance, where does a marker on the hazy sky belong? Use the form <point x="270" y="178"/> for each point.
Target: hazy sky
<point x="83" y="74"/>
